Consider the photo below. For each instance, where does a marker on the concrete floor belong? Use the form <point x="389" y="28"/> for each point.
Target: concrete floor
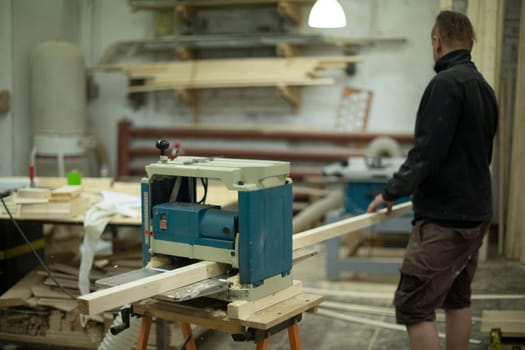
<point x="496" y="276"/>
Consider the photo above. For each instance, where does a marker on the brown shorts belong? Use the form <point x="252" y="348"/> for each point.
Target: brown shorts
<point x="437" y="270"/>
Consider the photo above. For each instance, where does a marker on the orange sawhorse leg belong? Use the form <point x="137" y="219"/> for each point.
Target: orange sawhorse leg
<point x="293" y="337"/>
<point x="186" y="331"/>
<point x="263" y="344"/>
<point x="145" y="326"/>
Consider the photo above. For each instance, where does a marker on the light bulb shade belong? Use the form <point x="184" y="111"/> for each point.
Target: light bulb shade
<point x="327" y="14"/>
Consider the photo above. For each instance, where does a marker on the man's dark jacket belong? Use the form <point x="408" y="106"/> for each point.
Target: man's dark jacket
<point x="447" y="170"/>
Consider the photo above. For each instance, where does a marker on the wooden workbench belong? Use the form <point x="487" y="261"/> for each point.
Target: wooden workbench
<point x="92" y="187"/>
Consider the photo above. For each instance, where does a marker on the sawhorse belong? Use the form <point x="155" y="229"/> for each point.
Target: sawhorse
<point x="260" y="326"/>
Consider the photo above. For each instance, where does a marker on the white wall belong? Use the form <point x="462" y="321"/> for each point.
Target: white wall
<point x="6" y="83"/>
<point x="23" y="25"/>
<point x="396" y="73"/>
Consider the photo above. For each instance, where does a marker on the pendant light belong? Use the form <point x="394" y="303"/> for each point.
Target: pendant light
<point x="327" y="14"/>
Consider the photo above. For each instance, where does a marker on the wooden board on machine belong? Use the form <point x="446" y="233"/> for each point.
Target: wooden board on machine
<point x="109" y="298"/>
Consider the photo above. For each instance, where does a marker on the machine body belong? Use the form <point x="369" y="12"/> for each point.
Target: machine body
<point x="255" y="239"/>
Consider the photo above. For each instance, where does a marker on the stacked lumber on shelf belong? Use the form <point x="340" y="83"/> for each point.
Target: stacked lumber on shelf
<point x="282" y="43"/>
<point x="224" y="73"/>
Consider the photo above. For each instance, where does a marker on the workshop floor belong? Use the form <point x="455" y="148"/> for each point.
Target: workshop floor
<point x="496" y="276"/>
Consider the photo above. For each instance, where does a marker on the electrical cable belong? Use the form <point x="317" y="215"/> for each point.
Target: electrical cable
<point x="204" y="182"/>
<point x="42" y="263"/>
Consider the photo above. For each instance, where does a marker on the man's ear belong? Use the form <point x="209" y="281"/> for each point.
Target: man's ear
<point x="438" y="44"/>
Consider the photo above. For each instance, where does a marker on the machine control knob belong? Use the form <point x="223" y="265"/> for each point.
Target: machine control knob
<point x="162" y="145"/>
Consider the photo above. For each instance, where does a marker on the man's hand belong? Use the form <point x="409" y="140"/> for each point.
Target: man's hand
<point x="372" y="207"/>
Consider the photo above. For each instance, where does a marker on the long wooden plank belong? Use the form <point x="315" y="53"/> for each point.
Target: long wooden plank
<point x="518" y="140"/>
<point x="323" y="233"/>
<point x="511" y="323"/>
<point x="144" y="70"/>
<point x="244" y="72"/>
<point x="487" y="17"/>
<point x="515" y="219"/>
<point x="387" y="293"/>
<point x="208" y="3"/>
<point x="373" y="323"/>
<point x="377" y="310"/>
<point x="110" y="298"/>
<point x="273" y="82"/>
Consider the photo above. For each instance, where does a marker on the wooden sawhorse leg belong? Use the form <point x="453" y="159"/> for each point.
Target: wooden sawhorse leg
<point x="293" y="338"/>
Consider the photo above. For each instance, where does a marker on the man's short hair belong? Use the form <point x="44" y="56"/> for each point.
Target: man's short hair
<point x="454" y="29"/>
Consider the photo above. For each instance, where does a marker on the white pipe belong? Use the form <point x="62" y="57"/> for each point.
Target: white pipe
<point x="125" y="340"/>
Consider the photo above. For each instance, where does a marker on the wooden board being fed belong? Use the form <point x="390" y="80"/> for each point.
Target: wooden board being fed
<point x="110" y="298"/>
<point x="325" y="232"/>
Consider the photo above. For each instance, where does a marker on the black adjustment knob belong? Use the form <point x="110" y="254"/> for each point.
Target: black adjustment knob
<point x="162" y="145"/>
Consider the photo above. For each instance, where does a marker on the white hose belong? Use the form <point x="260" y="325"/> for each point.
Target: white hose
<point x="383" y="146"/>
<point x="125" y="340"/>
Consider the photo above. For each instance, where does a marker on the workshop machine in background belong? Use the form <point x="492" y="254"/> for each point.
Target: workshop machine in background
<point x="363" y="178"/>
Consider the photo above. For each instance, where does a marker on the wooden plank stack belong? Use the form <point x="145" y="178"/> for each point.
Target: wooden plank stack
<point x="62" y="202"/>
<point x="224" y="73"/>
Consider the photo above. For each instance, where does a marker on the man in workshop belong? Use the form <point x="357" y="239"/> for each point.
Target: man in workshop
<point x="447" y="175"/>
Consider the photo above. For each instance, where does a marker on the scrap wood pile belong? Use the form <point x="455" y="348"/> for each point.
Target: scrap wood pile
<point x="245" y="72"/>
<point x="35" y="310"/>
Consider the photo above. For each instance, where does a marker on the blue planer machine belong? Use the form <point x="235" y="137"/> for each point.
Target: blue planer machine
<point x="255" y="240"/>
